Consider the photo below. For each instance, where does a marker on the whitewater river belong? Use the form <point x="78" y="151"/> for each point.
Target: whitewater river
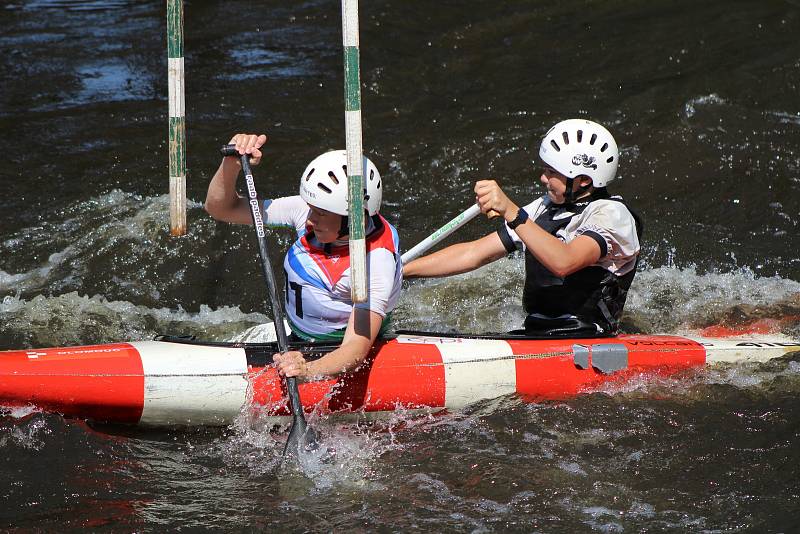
<point x="703" y="100"/>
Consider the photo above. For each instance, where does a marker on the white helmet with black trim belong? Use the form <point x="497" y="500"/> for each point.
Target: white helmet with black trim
<point x="324" y="183"/>
<point x="578" y="147"/>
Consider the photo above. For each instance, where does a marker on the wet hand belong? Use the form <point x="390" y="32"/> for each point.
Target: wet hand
<point x="249" y="144"/>
<point x="491" y="198"/>
<point x="291" y="364"/>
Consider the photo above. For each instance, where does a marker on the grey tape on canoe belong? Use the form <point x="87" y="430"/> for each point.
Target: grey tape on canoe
<point x="605" y="357"/>
<point x="580" y="356"/>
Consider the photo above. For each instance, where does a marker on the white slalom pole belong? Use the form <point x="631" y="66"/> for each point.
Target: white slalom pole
<point x="177" y="120"/>
<point x="355" y="158"/>
<point x="455" y="223"/>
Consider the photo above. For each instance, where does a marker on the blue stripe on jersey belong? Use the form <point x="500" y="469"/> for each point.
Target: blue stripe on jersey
<point x="395" y="238"/>
<point x="298" y="261"/>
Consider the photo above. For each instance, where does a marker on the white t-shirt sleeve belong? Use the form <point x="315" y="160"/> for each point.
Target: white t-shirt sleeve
<point x="613" y="222"/>
<point x="290" y="212"/>
<point x="385" y="281"/>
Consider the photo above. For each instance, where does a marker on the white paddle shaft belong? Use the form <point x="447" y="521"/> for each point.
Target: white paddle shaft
<point x="455" y="223"/>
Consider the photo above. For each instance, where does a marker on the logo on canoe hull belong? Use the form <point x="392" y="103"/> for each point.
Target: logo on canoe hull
<point x="584" y="160"/>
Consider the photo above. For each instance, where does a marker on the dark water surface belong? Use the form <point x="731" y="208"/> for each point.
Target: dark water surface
<point x="703" y="100"/>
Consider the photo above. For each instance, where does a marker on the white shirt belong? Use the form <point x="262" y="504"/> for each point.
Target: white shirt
<point x="607" y="219"/>
<point x="318" y="290"/>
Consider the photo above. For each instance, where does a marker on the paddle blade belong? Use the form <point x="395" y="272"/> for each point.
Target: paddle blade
<point x="302" y="439"/>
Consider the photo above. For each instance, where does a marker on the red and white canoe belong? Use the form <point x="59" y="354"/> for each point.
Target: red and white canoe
<point x="177" y="382"/>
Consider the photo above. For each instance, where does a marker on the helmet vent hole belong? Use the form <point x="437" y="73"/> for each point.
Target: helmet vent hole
<point x="344" y="168"/>
<point x="379" y="185"/>
<point x="609" y="160"/>
<point x="555" y="145"/>
<point x="580" y="135"/>
<point x="308" y="176"/>
<point x="565" y="135"/>
<point x="371" y="175"/>
<point x="324" y="188"/>
<point x="593" y="139"/>
<point x="333" y="177"/>
<point x="604" y="147"/>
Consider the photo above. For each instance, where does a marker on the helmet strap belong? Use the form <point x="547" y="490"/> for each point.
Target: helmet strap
<point x="571" y="196"/>
<point x="344" y="228"/>
<point x="581" y="190"/>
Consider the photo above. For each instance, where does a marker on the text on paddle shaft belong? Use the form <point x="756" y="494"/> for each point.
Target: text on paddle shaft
<point x="257" y="220"/>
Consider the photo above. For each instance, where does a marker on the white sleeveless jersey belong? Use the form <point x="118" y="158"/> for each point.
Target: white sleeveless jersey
<point x="318" y="303"/>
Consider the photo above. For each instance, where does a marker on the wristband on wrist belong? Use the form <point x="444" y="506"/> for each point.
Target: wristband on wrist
<point x="521" y="217"/>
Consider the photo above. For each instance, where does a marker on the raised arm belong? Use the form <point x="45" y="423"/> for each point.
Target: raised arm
<point x="561" y="259"/>
<point x="222" y="201"/>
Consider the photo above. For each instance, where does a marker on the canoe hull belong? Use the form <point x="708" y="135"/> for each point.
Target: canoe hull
<point x="180" y="382"/>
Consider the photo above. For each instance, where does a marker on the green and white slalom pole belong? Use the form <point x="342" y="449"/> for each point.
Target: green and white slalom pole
<point x="355" y="158"/>
<point x="177" y="120"/>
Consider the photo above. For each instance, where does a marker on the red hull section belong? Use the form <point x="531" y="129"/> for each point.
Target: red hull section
<point x="101" y="382"/>
<point x="397" y="376"/>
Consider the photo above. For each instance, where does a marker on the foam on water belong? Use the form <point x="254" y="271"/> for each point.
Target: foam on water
<point x="484" y="300"/>
<point x="27" y="432"/>
<point x="73" y="319"/>
<point x="705" y="100"/>
<point x="345" y="457"/>
<point x="18" y="412"/>
<point x="667" y="300"/>
<point x="82" y="240"/>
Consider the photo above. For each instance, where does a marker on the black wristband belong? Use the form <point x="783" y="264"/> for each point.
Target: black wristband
<point x="521" y="217"/>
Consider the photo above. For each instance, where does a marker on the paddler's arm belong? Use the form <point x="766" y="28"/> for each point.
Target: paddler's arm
<point x="457" y="259"/>
<point x="361" y="332"/>
<point x="222" y="201"/>
<point x="561" y="259"/>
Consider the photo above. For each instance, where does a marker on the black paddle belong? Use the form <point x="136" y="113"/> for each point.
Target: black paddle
<point x="301" y="436"/>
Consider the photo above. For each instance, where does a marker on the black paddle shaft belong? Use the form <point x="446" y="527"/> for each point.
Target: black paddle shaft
<point x="272" y="286"/>
<point x="229" y="150"/>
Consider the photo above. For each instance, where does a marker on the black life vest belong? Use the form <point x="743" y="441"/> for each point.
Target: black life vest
<point x="594" y="295"/>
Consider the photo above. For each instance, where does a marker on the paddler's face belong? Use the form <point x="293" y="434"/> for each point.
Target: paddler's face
<point x="556" y="184"/>
<point x="324" y="224"/>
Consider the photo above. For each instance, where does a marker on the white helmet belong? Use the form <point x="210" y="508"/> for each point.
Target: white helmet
<point x="324" y="183"/>
<point x="578" y="147"/>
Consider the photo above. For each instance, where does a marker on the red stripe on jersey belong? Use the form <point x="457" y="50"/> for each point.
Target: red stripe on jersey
<point x="334" y="263"/>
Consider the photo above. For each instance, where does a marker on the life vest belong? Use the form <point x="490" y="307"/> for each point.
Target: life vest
<point x="594" y="295"/>
<point x="315" y="306"/>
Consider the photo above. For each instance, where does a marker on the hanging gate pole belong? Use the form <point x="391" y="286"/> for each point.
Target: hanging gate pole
<point x="177" y="121"/>
<point x="355" y="158"/>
